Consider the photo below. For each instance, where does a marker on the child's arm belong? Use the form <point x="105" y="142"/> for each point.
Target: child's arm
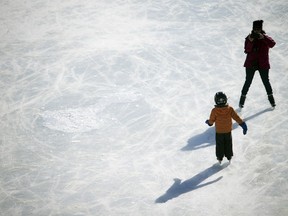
<point x="242" y="124"/>
<point x="212" y="118"/>
<point x="244" y="127"/>
<point x="208" y="123"/>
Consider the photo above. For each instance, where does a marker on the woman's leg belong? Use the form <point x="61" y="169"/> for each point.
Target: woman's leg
<point x="250" y="72"/>
<point x="264" y="74"/>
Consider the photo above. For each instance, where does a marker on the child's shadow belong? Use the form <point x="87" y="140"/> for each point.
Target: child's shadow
<point x="203" y="140"/>
<point x="194" y="183"/>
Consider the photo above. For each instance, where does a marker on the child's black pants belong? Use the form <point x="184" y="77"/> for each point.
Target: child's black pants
<point x="224" y="145"/>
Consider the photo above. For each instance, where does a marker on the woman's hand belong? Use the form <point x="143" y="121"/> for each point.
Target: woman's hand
<point x="261" y="36"/>
<point x="250" y="38"/>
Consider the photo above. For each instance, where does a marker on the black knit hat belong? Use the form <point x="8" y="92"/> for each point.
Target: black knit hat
<point x="258" y="24"/>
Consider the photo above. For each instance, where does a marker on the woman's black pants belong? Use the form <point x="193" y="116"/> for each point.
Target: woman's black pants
<point x="264" y="74"/>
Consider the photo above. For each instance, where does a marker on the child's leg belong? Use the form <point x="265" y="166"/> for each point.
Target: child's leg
<point x="220" y="141"/>
<point x="228" y="149"/>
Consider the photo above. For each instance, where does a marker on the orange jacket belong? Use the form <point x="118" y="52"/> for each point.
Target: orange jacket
<point x="222" y="116"/>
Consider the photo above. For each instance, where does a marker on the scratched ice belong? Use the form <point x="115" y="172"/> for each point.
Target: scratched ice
<point x="103" y="105"/>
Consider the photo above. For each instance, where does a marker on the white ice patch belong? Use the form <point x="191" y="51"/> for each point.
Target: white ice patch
<point x="89" y="118"/>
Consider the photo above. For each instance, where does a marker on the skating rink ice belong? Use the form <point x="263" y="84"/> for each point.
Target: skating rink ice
<point x="103" y="105"/>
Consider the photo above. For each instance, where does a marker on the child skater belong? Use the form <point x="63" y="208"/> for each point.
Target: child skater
<point x="222" y="115"/>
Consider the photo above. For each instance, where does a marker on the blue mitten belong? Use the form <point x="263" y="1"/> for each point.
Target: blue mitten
<point x="207" y="122"/>
<point x="244" y="127"/>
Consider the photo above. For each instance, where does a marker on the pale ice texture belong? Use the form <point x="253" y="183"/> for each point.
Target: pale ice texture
<point x="103" y="105"/>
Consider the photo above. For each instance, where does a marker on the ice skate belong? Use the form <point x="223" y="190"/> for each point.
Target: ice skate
<point x="242" y="101"/>
<point x="271" y="100"/>
<point x="219" y="161"/>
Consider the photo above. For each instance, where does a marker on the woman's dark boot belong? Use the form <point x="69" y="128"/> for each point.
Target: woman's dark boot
<point x="271" y="100"/>
<point x="242" y="101"/>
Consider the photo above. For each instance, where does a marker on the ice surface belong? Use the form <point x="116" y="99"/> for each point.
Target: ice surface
<point x="103" y="105"/>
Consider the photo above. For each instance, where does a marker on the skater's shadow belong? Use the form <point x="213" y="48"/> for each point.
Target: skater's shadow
<point x="202" y="140"/>
<point x="178" y="188"/>
<point x="235" y="125"/>
<point x="207" y="138"/>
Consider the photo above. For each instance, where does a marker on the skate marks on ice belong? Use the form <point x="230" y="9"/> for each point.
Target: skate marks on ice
<point x="83" y="119"/>
<point x="178" y="188"/>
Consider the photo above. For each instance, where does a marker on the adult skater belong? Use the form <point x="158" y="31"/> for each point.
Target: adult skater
<point x="256" y="47"/>
<point x="222" y="115"/>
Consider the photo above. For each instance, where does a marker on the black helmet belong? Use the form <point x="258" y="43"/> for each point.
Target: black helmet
<point x="220" y="98"/>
